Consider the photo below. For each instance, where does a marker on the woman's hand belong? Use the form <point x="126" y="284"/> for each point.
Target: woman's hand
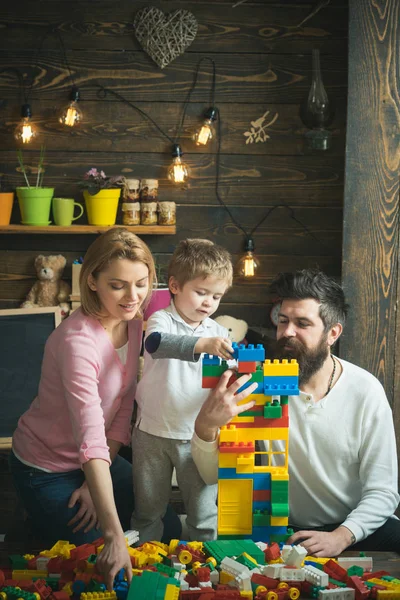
<point x="113" y="558"/>
<point x="86" y="516"/>
<point x="222" y="405"/>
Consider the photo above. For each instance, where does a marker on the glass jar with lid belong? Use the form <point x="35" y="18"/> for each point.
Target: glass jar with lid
<point x="148" y="213"/>
<point x="131" y="213"/>
<point x="148" y="190"/>
<point x="166" y="213"/>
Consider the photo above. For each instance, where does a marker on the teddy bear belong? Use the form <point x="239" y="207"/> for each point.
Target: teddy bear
<point x="49" y="290"/>
<point x="236" y="327"/>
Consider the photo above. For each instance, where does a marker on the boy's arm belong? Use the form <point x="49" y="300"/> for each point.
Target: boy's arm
<point x="170" y="345"/>
<point x="186" y="347"/>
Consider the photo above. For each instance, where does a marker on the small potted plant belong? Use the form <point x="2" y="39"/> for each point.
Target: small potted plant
<point x="34" y="200"/>
<point x="101" y="195"/>
<point x="6" y="202"/>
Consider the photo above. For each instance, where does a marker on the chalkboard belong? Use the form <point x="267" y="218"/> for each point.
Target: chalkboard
<point x="23" y="335"/>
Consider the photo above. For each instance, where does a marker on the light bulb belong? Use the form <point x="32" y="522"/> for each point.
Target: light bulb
<point x="72" y="114"/>
<point x="207" y="131"/>
<point x="248" y="263"/>
<point x="25" y="131"/>
<point x="178" y="171"/>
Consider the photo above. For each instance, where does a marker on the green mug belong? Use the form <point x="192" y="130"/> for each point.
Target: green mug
<point x="63" y="211"/>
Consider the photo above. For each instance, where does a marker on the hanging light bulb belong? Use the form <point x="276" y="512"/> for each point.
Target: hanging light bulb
<point x="248" y="263"/>
<point x="178" y="171"/>
<point x="206" y="132"/>
<point x="72" y="114"/>
<point x="25" y="131"/>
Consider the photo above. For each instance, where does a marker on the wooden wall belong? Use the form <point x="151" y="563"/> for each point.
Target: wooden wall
<point x="263" y="63"/>
<point x="371" y="245"/>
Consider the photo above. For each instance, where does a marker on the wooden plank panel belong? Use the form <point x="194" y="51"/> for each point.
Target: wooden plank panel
<point x="240" y="77"/>
<point x="116" y="127"/>
<point x="18" y="265"/>
<point x="372" y="207"/>
<point x="281" y="241"/>
<point x="254" y="314"/>
<point x="261" y="28"/>
<point x="315" y="180"/>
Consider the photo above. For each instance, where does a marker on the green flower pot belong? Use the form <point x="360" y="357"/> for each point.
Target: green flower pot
<point x="34" y="204"/>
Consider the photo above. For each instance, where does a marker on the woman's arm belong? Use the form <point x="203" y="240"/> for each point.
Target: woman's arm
<point x="114" y="555"/>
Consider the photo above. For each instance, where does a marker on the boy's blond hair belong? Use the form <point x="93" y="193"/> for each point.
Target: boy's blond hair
<point x="200" y="258"/>
<point x="114" y="244"/>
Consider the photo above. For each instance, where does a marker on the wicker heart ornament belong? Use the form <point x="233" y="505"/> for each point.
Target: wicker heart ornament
<point x="164" y="37"/>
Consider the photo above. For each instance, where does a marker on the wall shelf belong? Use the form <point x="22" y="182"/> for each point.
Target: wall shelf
<point x="73" y="229"/>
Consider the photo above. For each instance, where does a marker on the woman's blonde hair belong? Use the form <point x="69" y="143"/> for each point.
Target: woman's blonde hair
<point x="114" y="244"/>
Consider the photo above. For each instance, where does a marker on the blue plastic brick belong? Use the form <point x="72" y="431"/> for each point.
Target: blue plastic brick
<point x="209" y="359"/>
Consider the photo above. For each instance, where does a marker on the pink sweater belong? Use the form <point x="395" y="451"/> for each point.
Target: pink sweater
<point x="85" y="396"/>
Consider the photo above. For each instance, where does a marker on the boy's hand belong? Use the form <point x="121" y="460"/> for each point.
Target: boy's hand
<point x="216" y="346"/>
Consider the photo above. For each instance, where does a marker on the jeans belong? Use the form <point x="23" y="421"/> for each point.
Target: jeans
<point x="45" y="497"/>
<point x="386" y="538"/>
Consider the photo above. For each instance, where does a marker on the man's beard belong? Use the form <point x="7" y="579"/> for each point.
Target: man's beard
<point x="310" y="361"/>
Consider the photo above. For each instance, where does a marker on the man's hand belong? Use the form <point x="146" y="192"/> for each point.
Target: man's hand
<point x="323" y="543"/>
<point x="217" y="346"/>
<point x="222" y="405"/>
<point x="113" y="558"/>
<point x="86" y="516"/>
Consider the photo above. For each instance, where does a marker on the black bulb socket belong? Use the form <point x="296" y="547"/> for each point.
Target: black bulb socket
<point x="176" y="151"/>
<point x="74" y="95"/>
<point x="26" y="110"/>
<point x="211" y="113"/>
<point x="249" y="246"/>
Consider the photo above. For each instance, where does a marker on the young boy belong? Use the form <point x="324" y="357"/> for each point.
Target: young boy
<point x="169" y="394"/>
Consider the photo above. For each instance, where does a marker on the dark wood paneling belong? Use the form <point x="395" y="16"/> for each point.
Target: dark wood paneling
<point x="118" y="128"/>
<point x="303" y="180"/>
<point x="259" y="28"/>
<point x="371" y="217"/>
<point x="263" y="63"/>
<point x="279" y="78"/>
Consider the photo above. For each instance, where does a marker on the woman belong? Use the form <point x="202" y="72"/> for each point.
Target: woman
<point x="65" y="461"/>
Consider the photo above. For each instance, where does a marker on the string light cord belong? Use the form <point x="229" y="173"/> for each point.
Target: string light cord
<point x="52" y="30"/>
<point x="191" y="90"/>
<point x="21" y="81"/>
<point x="102" y="93"/>
<point x="247" y="234"/>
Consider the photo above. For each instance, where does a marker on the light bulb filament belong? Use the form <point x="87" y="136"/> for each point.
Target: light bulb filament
<point x="27" y="133"/>
<point x="70" y="116"/>
<point x="204" y="135"/>
<point x="249" y="265"/>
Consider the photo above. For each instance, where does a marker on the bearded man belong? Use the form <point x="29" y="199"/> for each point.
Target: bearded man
<point x="342" y="453"/>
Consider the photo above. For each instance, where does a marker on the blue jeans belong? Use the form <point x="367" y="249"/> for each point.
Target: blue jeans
<point x="45" y="497"/>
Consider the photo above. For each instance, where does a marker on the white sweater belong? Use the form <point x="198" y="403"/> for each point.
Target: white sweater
<point x="342" y="456"/>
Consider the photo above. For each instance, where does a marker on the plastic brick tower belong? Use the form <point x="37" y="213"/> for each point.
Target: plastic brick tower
<point x="253" y="476"/>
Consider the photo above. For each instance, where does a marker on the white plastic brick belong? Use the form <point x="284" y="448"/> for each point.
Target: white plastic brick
<point x="337" y="594"/>
<point x="214" y="577"/>
<point x="296" y="556"/>
<point x="234" y="568"/>
<point x="285" y="551"/>
<point x="41" y="563"/>
<point x="316" y="576"/>
<point x="289" y="574"/>
<point x="131" y="536"/>
<point x="358" y="561"/>
<point x="272" y="570"/>
<point x="262" y="546"/>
